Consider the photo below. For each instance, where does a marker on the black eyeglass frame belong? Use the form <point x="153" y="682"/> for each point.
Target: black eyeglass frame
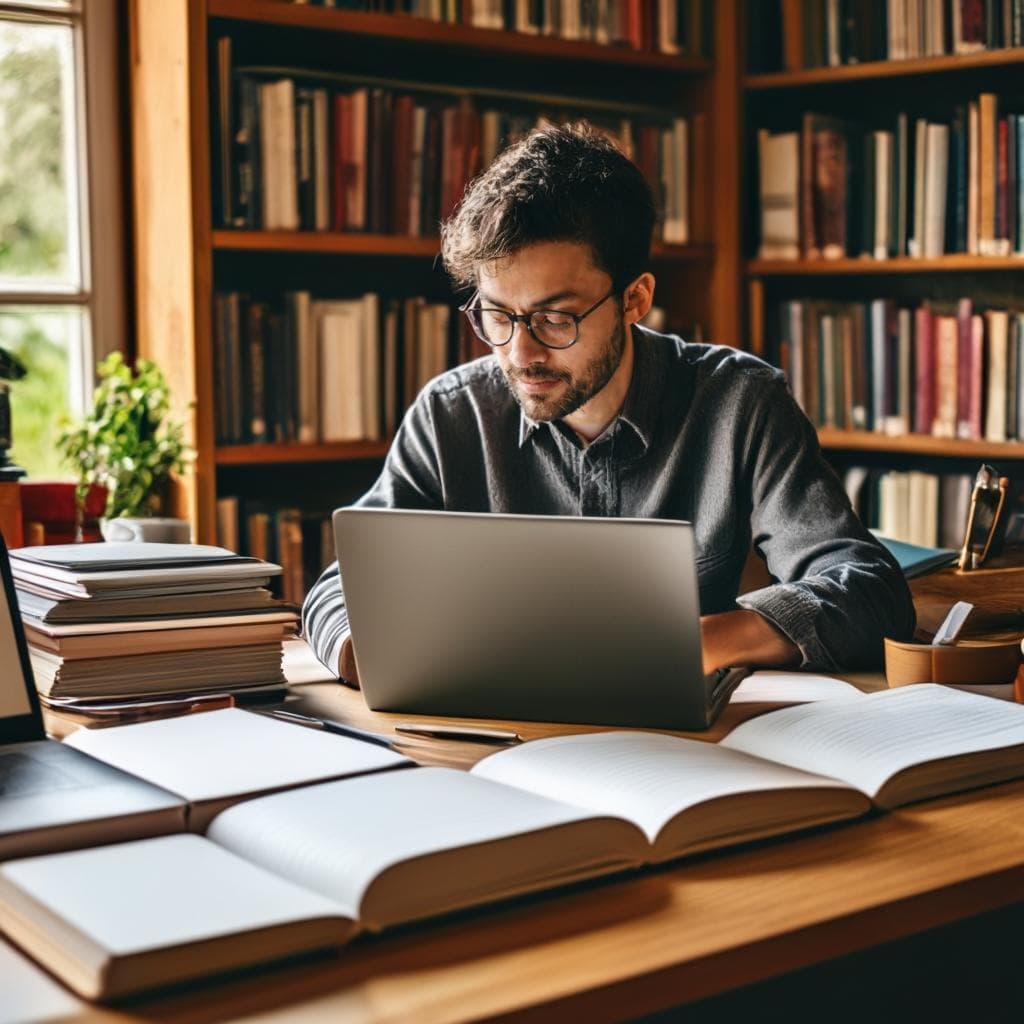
<point x="526" y="318"/>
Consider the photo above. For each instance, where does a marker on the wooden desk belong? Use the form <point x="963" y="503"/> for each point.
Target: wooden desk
<point x="620" y="949"/>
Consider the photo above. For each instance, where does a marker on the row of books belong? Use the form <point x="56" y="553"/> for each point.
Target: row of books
<point x="302" y="156"/>
<point x="927" y="509"/>
<point x="323" y="369"/>
<point x="924" y="188"/>
<point x="665" y="26"/>
<point x="830" y="33"/>
<point x="117" y="621"/>
<point x="300" y="541"/>
<point x="948" y="372"/>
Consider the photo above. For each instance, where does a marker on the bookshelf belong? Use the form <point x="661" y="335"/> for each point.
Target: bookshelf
<point x="185" y="256"/>
<point x="854" y="103"/>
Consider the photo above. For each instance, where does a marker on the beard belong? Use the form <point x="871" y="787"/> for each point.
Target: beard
<point x="578" y="391"/>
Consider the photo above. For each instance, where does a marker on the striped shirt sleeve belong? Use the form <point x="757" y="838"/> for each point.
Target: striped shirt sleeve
<point x="325" y="618"/>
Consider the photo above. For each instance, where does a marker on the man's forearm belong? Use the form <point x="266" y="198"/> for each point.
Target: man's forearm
<point x="744" y="638"/>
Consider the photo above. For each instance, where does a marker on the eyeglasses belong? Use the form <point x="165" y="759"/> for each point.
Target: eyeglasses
<point x="552" y="328"/>
<point x="988" y="499"/>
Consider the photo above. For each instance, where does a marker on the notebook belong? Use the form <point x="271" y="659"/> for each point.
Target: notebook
<point x="550" y="618"/>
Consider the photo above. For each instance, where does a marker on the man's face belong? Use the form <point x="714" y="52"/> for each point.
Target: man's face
<point x="551" y="384"/>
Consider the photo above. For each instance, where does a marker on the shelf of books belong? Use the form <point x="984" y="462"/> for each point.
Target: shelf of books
<point x="629" y="33"/>
<point x="294" y="296"/>
<point x="886" y="254"/>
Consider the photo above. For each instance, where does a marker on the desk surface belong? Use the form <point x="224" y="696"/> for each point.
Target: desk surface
<point x="645" y="942"/>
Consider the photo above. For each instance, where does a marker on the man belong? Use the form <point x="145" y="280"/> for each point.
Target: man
<point x="581" y="411"/>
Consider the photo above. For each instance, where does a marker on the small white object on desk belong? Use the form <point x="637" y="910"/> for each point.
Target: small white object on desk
<point x="947" y="633"/>
<point x="774" y="687"/>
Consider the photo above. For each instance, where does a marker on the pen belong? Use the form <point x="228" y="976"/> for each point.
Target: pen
<point x="328" y="725"/>
<point x="471" y="733"/>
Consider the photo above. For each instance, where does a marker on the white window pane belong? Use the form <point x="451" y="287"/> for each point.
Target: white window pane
<point x="39" y="225"/>
<point x="48" y="342"/>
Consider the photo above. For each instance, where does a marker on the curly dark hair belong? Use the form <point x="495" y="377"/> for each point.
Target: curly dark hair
<point x="560" y="183"/>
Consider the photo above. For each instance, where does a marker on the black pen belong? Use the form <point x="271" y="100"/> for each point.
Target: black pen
<point x="339" y="728"/>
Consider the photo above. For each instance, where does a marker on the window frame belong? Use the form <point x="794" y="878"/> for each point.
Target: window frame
<point x="99" y="180"/>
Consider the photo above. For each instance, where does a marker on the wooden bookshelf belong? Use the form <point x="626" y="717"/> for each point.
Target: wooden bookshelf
<point x="882" y="70"/>
<point x="409" y="29"/>
<point x="327" y="451"/>
<point x="335" y="242"/>
<point x="958" y="263"/>
<point x="869" y="96"/>
<point x="917" y="444"/>
<point x="185" y="258"/>
<point x="352" y="243"/>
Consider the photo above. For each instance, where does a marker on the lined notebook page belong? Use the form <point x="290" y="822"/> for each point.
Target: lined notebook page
<point x="646" y="778"/>
<point x="336" y="837"/>
<point x="227" y="752"/>
<point x="867" y="741"/>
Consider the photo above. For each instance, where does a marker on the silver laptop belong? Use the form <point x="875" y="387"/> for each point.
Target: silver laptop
<point x="51" y="796"/>
<point x="545" y="618"/>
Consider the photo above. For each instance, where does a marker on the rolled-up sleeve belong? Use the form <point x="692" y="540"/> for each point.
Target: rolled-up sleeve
<point x="839" y="591"/>
<point x="409" y="479"/>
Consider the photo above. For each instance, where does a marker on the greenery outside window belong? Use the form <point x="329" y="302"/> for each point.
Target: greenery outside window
<point x="61" y="211"/>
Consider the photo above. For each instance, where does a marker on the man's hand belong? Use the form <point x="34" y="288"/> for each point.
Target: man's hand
<point x="347" y="663"/>
<point x="743" y="637"/>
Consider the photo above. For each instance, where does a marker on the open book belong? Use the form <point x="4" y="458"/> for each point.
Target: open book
<point x="216" y="758"/>
<point x="394" y="847"/>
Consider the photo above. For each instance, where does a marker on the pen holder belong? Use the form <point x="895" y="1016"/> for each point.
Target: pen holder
<point x="964" y="664"/>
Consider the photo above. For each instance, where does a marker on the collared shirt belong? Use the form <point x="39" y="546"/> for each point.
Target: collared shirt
<point x="706" y="433"/>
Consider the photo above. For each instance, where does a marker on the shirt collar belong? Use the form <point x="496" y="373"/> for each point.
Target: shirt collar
<point x="643" y="399"/>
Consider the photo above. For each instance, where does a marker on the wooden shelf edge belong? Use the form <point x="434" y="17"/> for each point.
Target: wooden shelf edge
<point x="956" y="263"/>
<point x="331" y="451"/>
<point x="225" y="239"/>
<point x="423" y="30"/>
<point x="351" y="243"/>
<point x="917" y="444"/>
<point x="1007" y="56"/>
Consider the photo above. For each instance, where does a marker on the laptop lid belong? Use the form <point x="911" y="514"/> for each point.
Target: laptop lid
<point x="546" y="618"/>
<point x="20" y="716"/>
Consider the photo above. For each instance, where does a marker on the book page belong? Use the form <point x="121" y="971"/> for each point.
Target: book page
<point x="769" y="686"/>
<point x="230" y="752"/>
<point x="644" y="777"/>
<point x="157" y="893"/>
<point x="865" y="742"/>
<point x="337" y="837"/>
<point x="30" y="994"/>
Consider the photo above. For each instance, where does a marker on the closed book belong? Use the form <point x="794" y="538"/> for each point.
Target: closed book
<point x="987" y="173"/>
<point x="935" y="190"/>
<point x="153" y="636"/>
<point x="947" y="385"/>
<point x="401" y="163"/>
<point x="214" y="668"/>
<point x="997" y="330"/>
<point x="965" y="368"/>
<point x="924" y="360"/>
<point x="38" y="605"/>
<point x="831" y="172"/>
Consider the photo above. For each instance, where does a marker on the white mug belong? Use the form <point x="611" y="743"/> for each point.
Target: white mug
<point x="157" y="529"/>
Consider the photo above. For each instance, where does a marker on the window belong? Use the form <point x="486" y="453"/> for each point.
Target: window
<point x="61" y="218"/>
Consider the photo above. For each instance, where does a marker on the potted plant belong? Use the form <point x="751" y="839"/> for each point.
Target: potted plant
<point x="127" y="444"/>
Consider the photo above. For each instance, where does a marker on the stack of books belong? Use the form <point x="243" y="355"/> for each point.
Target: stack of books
<point x="132" y="620"/>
